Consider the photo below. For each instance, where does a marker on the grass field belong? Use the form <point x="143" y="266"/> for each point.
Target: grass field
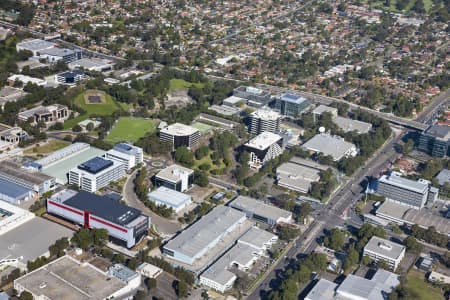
<point x="72" y="122"/>
<point x="181" y="84"/>
<point x="207" y="159"/>
<point x="392" y="7"/>
<point x="130" y="129"/>
<point x="202" y="127"/>
<point x="101" y="109"/>
<point x="425" y="291"/>
<point x="49" y="147"/>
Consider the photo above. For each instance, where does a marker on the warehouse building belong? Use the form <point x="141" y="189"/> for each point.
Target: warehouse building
<point x="170" y="198"/>
<point x="12" y="216"/>
<point x="92" y="64"/>
<point x="319" y="110"/>
<point x="53" y="55"/>
<point x="331" y="145"/>
<point x="261" y="211"/>
<point x="381" y="249"/>
<point x="262" y="148"/>
<point x="13" y="193"/>
<point x="348" y="125"/>
<point x="125" y="225"/>
<point x="34" y="45"/>
<point x="405" y="191"/>
<point x="179" y="135"/>
<point x="264" y="119"/>
<point x="199" y="245"/>
<point x="37" y="182"/>
<point x="129" y="155"/>
<point x="175" y="177"/>
<point x="96" y="173"/>
<point x="69" y="279"/>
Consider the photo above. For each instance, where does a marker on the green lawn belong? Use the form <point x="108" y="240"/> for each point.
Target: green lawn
<point x="393" y="8"/>
<point x="207" y="159"/>
<point x="49" y="147"/>
<point x="130" y="129"/>
<point x="202" y="127"/>
<point x="181" y="84"/>
<point x="101" y="109"/>
<point x="72" y="122"/>
<point x="425" y="291"/>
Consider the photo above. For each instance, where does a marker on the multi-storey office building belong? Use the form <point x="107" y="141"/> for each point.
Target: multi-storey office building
<point x="264" y="119"/>
<point x="404" y="191"/>
<point x="291" y="105"/>
<point x="96" y="173"/>
<point x="435" y="140"/>
<point x="179" y="135"/>
<point x="127" y="154"/>
<point x="254" y="96"/>
<point x="263" y="148"/>
<point x="380" y="249"/>
<point x="175" y="177"/>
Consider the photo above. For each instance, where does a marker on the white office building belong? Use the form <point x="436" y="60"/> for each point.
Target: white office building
<point x="263" y="148"/>
<point x="179" y="135"/>
<point x="380" y="249"/>
<point x="127" y="154"/>
<point x="170" y="198"/>
<point x="96" y="173"/>
<point x="264" y="119"/>
<point x="175" y="177"/>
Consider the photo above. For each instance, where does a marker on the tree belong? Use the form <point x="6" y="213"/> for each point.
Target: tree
<point x="201" y="152"/>
<point x="351" y="259"/>
<point x="408" y="147"/>
<point x="335" y="240"/>
<point x="419" y="7"/>
<point x="180" y="287"/>
<point x="77" y="128"/>
<point x="412" y="244"/>
<point x="25" y="295"/>
<point x="150" y="283"/>
<point x="205" y="295"/>
<point x="201" y="178"/>
<point x="184" y="156"/>
<point x="90" y="126"/>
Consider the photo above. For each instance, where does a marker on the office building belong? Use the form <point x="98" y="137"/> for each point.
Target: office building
<point x="259" y="239"/>
<point x="170" y="198"/>
<point x="319" y="110"/>
<point x="10" y="94"/>
<point x="254" y="96"/>
<point x="125" y="275"/>
<point x="404" y="191"/>
<point x="264" y="119"/>
<point x="149" y="270"/>
<point x="224" y="124"/>
<point x="175" y="177"/>
<point x="12" y="217"/>
<point x="261" y="211"/>
<point x="96" y="173"/>
<point x="291" y="105"/>
<point x="24" y="79"/>
<point x="92" y="64"/>
<point x="354" y="287"/>
<point x="435" y="140"/>
<point x="53" y="55"/>
<point x="234" y="101"/>
<point x="331" y="145"/>
<point x="262" y="148"/>
<point x="70" y="77"/>
<point x="129" y="155"/>
<point x="35" y="181"/>
<point x="126" y="225"/>
<point x="179" y="135"/>
<point x="69" y="279"/>
<point x="225" y="110"/>
<point x="381" y="249"/>
<point x="34" y="45"/>
<point x="12" y="135"/>
<point x="49" y="115"/>
<point x="297" y="177"/>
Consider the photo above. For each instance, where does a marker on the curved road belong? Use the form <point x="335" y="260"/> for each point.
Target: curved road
<point x="163" y="225"/>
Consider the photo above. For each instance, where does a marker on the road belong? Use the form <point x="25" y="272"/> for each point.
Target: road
<point x="163" y="225"/>
<point x="331" y="215"/>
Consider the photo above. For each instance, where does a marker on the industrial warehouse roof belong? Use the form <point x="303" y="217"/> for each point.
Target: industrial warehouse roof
<point x="197" y="237"/>
<point x="323" y="108"/>
<point x="35" y="44"/>
<point x="375" y="289"/>
<point x="69" y="279"/>
<point x="103" y="207"/>
<point x="352" y="125"/>
<point x="14" y="170"/>
<point x="296" y="176"/>
<point x="257" y="237"/>
<point x="384" y="247"/>
<point x="169" y="196"/>
<point x="13" y="190"/>
<point x="179" y="129"/>
<point x="395" y="179"/>
<point x="323" y="290"/>
<point x="260" y="208"/>
<point x="57" y="52"/>
<point x="327" y="144"/>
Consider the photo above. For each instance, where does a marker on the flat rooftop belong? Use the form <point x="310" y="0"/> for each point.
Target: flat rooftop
<point x="57" y="52"/>
<point x="257" y="237"/>
<point x="323" y="108"/>
<point x="297" y="176"/>
<point x="224" y="110"/>
<point x="443" y="176"/>
<point x="439" y="131"/>
<point x="96" y="165"/>
<point x="264" y="140"/>
<point x="89" y="63"/>
<point x="381" y="284"/>
<point x="352" y="125"/>
<point x="327" y="144"/>
<point x="173" y="172"/>
<point x="102" y="207"/>
<point x="293" y="98"/>
<point x="31" y="239"/>
<point x="309" y="163"/>
<point x="60" y="168"/>
<point x="260" y="208"/>
<point x="68" y="279"/>
<point x="265" y="114"/>
<point x="322" y="290"/>
<point x="197" y="237"/>
<point x="384" y="247"/>
<point x="62" y="154"/>
<point x="404" y="183"/>
<point x="35" y="44"/>
<point x="169" y="196"/>
<point x="179" y="129"/>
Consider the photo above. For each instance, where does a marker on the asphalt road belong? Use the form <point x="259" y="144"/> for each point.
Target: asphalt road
<point x="163" y="225"/>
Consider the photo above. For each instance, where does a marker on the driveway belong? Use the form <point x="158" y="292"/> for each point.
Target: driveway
<point x="163" y="225"/>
